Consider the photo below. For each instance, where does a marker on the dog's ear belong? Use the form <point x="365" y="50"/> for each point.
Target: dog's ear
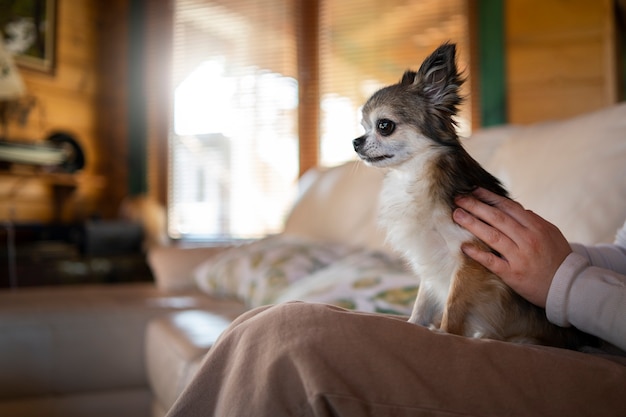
<point x="408" y="78"/>
<point x="438" y="82"/>
<point x="438" y="78"/>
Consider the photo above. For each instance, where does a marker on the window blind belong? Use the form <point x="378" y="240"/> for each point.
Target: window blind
<point x="234" y="151"/>
<point x="234" y="147"/>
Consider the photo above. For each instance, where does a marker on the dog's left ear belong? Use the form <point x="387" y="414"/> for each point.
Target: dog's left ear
<point x="438" y="78"/>
<point x="408" y="78"/>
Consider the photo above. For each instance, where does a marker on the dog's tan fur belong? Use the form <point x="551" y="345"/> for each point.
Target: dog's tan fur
<point x="410" y="130"/>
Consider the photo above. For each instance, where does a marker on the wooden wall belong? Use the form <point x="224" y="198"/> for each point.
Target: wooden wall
<point x="85" y="96"/>
<point x="561" y="58"/>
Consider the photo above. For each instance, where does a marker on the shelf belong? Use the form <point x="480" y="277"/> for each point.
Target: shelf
<point x="62" y="185"/>
<point x="55" y="178"/>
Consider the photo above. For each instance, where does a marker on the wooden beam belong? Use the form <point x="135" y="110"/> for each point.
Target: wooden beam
<point x="137" y="124"/>
<point x="159" y="47"/>
<point x="307" y="27"/>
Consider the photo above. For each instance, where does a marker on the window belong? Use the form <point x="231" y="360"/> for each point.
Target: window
<point x="234" y="150"/>
<point x="234" y="145"/>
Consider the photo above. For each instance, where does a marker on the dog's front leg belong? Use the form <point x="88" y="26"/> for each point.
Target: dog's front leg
<point x="427" y="310"/>
<point x="454" y="315"/>
<point x="462" y="313"/>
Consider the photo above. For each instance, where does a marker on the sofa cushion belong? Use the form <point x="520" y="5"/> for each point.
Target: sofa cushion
<point x="257" y="272"/>
<point x="571" y="172"/>
<point x="173" y="267"/>
<point x="483" y="143"/>
<point x="365" y="281"/>
<point x="340" y="204"/>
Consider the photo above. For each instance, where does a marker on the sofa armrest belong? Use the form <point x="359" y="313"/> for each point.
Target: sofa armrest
<point x="176" y="345"/>
<point x="173" y="267"/>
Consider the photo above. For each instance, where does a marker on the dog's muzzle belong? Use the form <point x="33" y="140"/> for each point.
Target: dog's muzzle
<point x="358" y="143"/>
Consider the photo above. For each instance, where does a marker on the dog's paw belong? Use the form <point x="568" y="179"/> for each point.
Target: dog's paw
<point x="435" y="328"/>
<point x="479" y="335"/>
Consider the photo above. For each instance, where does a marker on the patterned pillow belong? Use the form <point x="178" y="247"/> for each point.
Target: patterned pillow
<point x="258" y="271"/>
<point x="364" y="281"/>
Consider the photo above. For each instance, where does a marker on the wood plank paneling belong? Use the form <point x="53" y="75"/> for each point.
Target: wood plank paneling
<point x="85" y="97"/>
<point x="561" y="61"/>
<point x="561" y="58"/>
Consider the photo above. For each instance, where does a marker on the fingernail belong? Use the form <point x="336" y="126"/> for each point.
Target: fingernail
<point x="459" y="214"/>
<point x="467" y="248"/>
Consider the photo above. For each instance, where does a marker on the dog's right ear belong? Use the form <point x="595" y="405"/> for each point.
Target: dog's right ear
<point x="408" y="78"/>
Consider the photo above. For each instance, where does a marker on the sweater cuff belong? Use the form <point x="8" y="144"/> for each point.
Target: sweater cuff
<point x="558" y="294"/>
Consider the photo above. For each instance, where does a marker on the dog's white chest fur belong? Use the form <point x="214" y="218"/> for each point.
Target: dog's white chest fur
<point x="422" y="229"/>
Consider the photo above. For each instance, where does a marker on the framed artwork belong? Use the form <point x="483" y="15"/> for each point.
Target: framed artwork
<point x="28" y="31"/>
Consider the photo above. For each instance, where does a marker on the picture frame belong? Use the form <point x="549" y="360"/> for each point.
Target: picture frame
<point x="28" y="29"/>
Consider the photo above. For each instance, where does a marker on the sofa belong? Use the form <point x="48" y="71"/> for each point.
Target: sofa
<point x="130" y="349"/>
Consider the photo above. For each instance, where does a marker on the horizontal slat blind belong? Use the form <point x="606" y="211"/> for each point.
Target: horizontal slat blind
<point x="234" y="143"/>
<point x="234" y="152"/>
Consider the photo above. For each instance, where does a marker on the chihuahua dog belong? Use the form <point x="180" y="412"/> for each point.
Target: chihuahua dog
<point x="410" y="129"/>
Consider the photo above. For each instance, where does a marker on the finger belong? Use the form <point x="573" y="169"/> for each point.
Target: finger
<point x="489" y="260"/>
<point x="510" y="207"/>
<point x="489" y="197"/>
<point x="494" y="216"/>
<point x="491" y="236"/>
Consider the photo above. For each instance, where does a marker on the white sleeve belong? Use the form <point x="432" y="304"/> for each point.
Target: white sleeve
<point x="611" y="257"/>
<point x="591" y="298"/>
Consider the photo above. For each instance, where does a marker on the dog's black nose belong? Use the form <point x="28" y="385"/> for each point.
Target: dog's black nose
<point x="358" y="143"/>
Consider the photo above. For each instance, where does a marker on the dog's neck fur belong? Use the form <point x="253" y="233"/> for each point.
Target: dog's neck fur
<point x="417" y="217"/>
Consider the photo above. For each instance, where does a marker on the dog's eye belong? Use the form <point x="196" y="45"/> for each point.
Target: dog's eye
<point x="386" y="127"/>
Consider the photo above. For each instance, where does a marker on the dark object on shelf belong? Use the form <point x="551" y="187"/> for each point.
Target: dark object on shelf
<point x="60" y="150"/>
<point x="112" y="237"/>
<point x="74" y="156"/>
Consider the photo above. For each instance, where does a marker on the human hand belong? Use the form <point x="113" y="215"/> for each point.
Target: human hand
<point x="531" y="248"/>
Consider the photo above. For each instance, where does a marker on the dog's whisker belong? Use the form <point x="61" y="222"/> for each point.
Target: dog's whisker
<point x="355" y="167"/>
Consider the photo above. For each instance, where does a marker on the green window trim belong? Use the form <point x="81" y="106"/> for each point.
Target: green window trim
<point x="491" y="60"/>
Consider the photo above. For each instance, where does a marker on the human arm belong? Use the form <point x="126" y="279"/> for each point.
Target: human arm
<point x="591" y="298"/>
<point x="578" y="285"/>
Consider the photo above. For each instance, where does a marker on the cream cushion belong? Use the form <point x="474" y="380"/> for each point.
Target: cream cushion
<point x="173" y="267"/>
<point x="571" y="172"/>
<point x="341" y="205"/>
